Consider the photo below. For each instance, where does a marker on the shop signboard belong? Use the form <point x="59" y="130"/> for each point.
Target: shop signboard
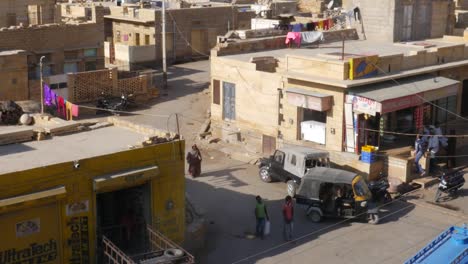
<point x="363" y="67"/>
<point x="396" y="104"/>
<point x="364" y="105"/>
<point x="310" y="102"/>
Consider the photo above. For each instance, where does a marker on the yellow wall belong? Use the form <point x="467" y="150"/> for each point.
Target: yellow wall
<point x="56" y="230"/>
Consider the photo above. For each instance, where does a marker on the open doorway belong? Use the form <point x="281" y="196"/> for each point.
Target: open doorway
<point x="122" y="217"/>
<point x="464" y="104"/>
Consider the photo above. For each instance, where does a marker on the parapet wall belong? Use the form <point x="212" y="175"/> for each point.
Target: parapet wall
<point x="277" y="42"/>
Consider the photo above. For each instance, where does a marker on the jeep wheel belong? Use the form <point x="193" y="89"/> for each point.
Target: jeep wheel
<point x="314" y="216"/>
<point x="264" y="174"/>
<point x="291" y="188"/>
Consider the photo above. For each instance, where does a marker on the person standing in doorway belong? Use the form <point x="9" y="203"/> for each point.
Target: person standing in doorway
<point x="194" y="159"/>
<point x="433" y="150"/>
<point x="288" y="217"/>
<point x="261" y="214"/>
<point x="419" y="150"/>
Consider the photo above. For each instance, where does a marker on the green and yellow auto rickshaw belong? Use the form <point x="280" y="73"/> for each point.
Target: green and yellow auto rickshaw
<point x="328" y="192"/>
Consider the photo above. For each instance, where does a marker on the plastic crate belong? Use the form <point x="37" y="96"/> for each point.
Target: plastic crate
<point x="368" y="148"/>
<point x="368" y="157"/>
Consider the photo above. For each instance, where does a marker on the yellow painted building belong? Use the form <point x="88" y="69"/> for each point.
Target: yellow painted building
<point x="59" y="197"/>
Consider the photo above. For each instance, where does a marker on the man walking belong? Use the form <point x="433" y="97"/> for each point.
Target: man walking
<point x="288" y="216"/>
<point x="261" y="214"/>
<point x="419" y="149"/>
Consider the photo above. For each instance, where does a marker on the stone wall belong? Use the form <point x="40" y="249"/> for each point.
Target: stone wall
<point x="25" y="11"/>
<point x="13" y="75"/>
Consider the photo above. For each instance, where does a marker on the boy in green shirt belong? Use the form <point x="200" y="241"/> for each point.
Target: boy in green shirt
<point x="261" y="214"/>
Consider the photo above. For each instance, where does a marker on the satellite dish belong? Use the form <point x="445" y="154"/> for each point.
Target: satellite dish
<point x="330" y="4"/>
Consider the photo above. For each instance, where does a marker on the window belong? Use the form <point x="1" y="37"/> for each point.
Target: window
<point x="229" y="101"/>
<point x="90" y="52"/>
<point x="147" y="39"/>
<point x="407" y="22"/>
<point x="46" y="71"/>
<point x="279" y="156"/>
<point x="216" y="95"/>
<point x="117" y="36"/>
<point x="137" y="39"/>
<point x="62" y="85"/>
<point x="90" y="66"/>
<point x="313" y="115"/>
<point x="293" y="160"/>
<point x="70" y="67"/>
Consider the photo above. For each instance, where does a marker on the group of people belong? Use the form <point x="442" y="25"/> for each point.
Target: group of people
<point x="432" y="141"/>
<point x="262" y="217"/>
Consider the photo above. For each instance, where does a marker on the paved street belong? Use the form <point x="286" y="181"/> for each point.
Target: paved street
<point x="227" y="189"/>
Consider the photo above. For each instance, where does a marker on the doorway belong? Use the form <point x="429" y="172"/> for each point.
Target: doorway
<point x="122" y="216"/>
<point x="229" y="101"/>
<point x="407" y="22"/>
<point x="464" y="103"/>
<point x="268" y="145"/>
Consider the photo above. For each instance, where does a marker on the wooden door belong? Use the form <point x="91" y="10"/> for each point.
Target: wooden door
<point x="268" y="145"/>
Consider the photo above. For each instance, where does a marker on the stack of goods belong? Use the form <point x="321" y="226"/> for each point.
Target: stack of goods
<point x="368" y="154"/>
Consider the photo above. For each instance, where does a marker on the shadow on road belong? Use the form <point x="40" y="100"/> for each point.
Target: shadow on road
<point x="230" y="215"/>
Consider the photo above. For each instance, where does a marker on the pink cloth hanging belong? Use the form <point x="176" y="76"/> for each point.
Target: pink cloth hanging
<point x="295" y="37"/>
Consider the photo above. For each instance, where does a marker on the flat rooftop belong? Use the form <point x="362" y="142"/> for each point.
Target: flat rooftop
<point x="332" y="51"/>
<point x="58" y="149"/>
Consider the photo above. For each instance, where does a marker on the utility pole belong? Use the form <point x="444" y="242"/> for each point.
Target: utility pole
<point x="42" y="84"/>
<point x="163" y="22"/>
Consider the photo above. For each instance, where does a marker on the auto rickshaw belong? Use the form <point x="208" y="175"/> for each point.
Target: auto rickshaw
<point x="328" y="192"/>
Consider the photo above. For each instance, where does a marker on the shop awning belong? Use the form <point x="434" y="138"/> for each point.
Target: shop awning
<point x="309" y="99"/>
<point x="125" y="179"/>
<point x="391" y="96"/>
<point x="57" y="193"/>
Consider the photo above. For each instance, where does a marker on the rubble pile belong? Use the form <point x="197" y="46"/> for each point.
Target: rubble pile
<point x="10" y="112"/>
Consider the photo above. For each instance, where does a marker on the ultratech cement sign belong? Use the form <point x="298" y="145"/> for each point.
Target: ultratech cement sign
<point x="79" y="240"/>
<point x="35" y="253"/>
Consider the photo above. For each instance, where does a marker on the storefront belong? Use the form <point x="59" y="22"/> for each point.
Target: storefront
<point x="312" y="110"/>
<point x="60" y="213"/>
<point x="403" y="107"/>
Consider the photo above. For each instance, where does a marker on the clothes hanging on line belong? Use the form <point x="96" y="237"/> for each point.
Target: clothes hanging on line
<point x="297" y="28"/>
<point x="293" y="37"/>
<point x="48" y="95"/>
<point x="311" y="37"/>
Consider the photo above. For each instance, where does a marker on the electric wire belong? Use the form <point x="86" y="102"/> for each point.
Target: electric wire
<point x="336" y="224"/>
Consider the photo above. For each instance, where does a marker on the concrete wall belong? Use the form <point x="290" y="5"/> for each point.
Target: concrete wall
<point x="13" y="76"/>
<point x="169" y="185"/>
<point x="256" y="101"/>
<point x="383" y="20"/>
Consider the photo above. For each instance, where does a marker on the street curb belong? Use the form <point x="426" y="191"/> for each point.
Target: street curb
<point x="437" y="208"/>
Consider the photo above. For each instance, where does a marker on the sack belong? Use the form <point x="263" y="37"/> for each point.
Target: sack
<point x="266" y="230"/>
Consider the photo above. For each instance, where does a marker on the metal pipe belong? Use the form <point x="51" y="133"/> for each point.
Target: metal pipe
<point x="163" y="22"/>
<point x="42" y="84"/>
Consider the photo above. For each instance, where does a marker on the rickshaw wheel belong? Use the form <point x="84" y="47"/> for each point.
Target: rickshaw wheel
<point x="314" y="216"/>
<point x="373" y="219"/>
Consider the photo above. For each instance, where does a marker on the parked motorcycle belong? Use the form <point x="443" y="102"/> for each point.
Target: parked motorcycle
<point x="379" y="190"/>
<point x="450" y="183"/>
<point x="113" y="104"/>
